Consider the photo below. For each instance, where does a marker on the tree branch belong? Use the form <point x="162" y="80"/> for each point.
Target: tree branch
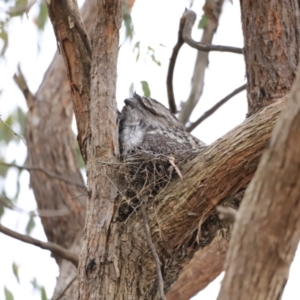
<point x="267" y="228"/>
<point x="187" y="37"/>
<point x="20" y="81"/>
<point x="209" y="112"/>
<point x="47" y="172"/>
<point x="203" y="268"/>
<point x="48" y="213"/>
<point x="213" y="11"/>
<point x="75" y="50"/>
<point x="54" y="248"/>
<point x="170" y="90"/>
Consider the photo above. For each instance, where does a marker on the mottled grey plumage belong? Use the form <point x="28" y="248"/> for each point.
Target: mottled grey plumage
<point x="148" y="126"/>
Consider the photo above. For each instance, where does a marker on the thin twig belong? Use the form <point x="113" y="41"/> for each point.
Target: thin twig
<point x="190" y="18"/>
<point x="45" y="213"/>
<point x="47" y="172"/>
<point x="215" y="107"/>
<point x="66" y="288"/>
<point x="16" y="134"/>
<point x="170" y="90"/>
<point x="154" y="254"/>
<point x="54" y="248"/>
<point x="20" y="81"/>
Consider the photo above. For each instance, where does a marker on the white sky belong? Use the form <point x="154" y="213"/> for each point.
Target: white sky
<point x="156" y="22"/>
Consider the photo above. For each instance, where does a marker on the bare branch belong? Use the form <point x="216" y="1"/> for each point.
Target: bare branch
<point x="56" y="249"/>
<point x="187" y="37"/>
<point x="48" y="213"/>
<point x="209" y="112"/>
<point x="154" y="254"/>
<point x="213" y="11"/>
<point x="47" y="172"/>
<point x="20" y="81"/>
<point x="170" y="90"/>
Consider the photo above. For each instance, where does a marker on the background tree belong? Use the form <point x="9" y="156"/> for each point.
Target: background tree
<point x="227" y="151"/>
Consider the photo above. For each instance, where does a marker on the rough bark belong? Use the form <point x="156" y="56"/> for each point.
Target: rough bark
<point x="97" y="269"/>
<point x="75" y="49"/>
<point x="267" y="230"/>
<point x="272" y="41"/>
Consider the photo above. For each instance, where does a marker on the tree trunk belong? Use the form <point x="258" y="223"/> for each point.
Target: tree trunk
<point x="272" y="42"/>
<point x="267" y="230"/>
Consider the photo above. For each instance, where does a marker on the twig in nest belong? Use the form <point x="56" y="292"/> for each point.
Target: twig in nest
<point x="227" y="214"/>
<point x="172" y="162"/>
<point x="209" y="112"/>
<point x="154" y="254"/>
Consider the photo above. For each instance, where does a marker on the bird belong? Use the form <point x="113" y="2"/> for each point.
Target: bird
<point x="148" y="126"/>
<point x="153" y="147"/>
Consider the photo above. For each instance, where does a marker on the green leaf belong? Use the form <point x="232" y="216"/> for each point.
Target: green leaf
<point x="21" y="119"/>
<point x="6" y="134"/>
<point x="4" y="38"/>
<point x="202" y="22"/>
<point x="137" y="46"/>
<point x="146" y="89"/>
<point x="43" y="294"/>
<point x="30" y="225"/>
<point x="151" y="52"/>
<point x="43" y="16"/>
<point x="128" y="26"/>
<point x="3" y="169"/>
<point x="1" y="210"/>
<point x="19" y="9"/>
<point x="79" y="157"/>
<point x="15" y="268"/>
<point x="8" y="294"/>
<point x="34" y="283"/>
